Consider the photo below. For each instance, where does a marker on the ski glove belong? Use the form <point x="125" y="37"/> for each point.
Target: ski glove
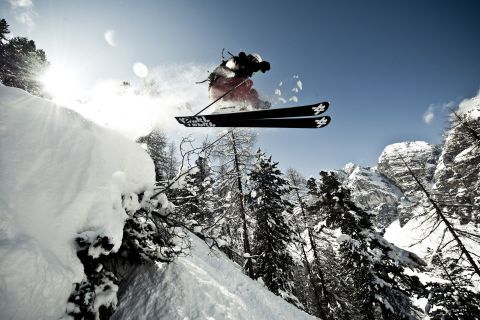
<point x="264" y="66"/>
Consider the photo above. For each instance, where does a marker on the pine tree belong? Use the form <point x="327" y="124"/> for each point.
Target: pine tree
<point x="320" y="298"/>
<point x="172" y="161"/>
<point x="156" y="144"/>
<point x="374" y="266"/>
<point x="234" y="150"/>
<point x="195" y="200"/>
<point x="447" y="301"/>
<point x="271" y="236"/>
<point x="3" y="31"/>
<point x="21" y="63"/>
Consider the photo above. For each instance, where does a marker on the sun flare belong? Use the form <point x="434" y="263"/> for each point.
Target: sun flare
<point x="60" y="81"/>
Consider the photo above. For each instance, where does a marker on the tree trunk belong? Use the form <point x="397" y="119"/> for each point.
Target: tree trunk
<point x="316" y="260"/>
<point x="248" y="265"/>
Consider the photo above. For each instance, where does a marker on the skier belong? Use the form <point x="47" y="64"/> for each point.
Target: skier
<point x="236" y="72"/>
<point x="231" y="81"/>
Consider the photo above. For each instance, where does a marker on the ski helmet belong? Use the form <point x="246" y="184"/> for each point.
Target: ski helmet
<point x="256" y="57"/>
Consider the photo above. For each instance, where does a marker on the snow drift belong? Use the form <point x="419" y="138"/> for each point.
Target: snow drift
<point x="204" y="285"/>
<point x="60" y="175"/>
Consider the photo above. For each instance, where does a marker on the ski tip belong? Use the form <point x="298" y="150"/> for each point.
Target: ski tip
<point x="322" y="121"/>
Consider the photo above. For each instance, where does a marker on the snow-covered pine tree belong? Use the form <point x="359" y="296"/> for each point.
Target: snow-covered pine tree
<point x="374" y="267"/>
<point x="455" y="299"/>
<point x="271" y="236"/>
<point x="172" y="161"/>
<point x="315" y="293"/>
<point x="226" y="225"/>
<point x="327" y="268"/>
<point x="234" y="152"/>
<point x="447" y="301"/>
<point x="156" y="143"/>
<point x="195" y="199"/>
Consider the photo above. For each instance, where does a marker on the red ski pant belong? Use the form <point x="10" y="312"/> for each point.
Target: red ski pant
<point x="244" y="93"/>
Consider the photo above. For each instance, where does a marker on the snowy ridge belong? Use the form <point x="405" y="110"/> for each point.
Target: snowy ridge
<point x="470" y="108"/>
<point x="60" y="175"/>
<point x="203" y="285"/>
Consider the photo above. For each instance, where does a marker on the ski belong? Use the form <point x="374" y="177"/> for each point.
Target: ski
<point x="300" y="111"/>
<point x="312" y="122"/>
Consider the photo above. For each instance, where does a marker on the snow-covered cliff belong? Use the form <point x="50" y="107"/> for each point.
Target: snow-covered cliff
<point x="60" y="176"/>
<point x="457" y="175"/>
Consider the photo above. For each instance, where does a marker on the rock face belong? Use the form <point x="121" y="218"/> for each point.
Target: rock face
<point x="451" y="171"/>
<point x="456" y="177"/>
<point x="374" y="192"/>
<point x="420" y="156"/>
<point x="382" y="189"/>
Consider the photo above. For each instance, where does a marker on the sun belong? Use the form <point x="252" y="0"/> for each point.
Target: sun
<point x="60" y="81"/>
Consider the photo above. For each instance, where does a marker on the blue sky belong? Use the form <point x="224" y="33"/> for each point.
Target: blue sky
<point x="382" y="64"/>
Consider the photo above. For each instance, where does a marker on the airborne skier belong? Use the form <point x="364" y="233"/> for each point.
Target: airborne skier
<point x="234" y="75"/>
<point x="231" y="81"/>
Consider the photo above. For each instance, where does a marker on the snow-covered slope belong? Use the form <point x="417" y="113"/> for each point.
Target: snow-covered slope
<point x="60" y="175"/>
<point x="204" y="285"/>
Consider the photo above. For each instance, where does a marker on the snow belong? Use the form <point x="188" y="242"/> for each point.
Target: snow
<point x="408" y="237"/>
<point x="61" y="176"/>
<point x="300" y="84"/>
<point x="470" y="107"/>
<point x="203" y="285"/>
<point x="406" y="149"/>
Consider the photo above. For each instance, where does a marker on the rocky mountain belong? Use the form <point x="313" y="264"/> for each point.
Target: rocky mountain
<point x="373" y="191"/>
<point x="382" y="189"/>
<point x="451" y="174"/>
<point x="457" y="174"/>
<point x="450" y="170"/>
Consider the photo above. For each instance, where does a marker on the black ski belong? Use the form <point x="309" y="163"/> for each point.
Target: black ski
<point x="300" y="111"/>
<point x="312" y="122"/>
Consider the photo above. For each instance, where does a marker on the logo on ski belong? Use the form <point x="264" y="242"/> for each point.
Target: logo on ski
<point x="321" y="122"/>
<point x="199" y="121"/>
<point x="319" y="109"/>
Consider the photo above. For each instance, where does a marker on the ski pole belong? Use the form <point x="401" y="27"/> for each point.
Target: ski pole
<point x="223" y="95"/>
